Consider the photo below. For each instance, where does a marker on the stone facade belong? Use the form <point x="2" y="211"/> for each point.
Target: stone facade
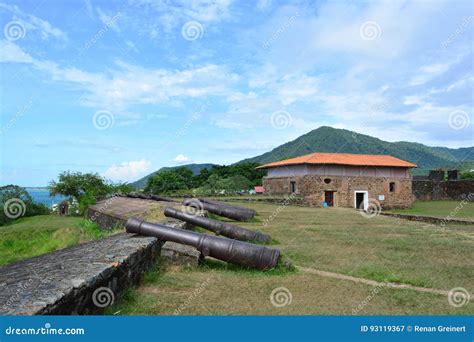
<point x="313" y="187"/>
<point x="428" y="190"/>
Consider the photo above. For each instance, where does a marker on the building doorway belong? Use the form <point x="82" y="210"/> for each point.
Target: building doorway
<point x="293" y="187"/>
<point x="361" y="200"/>
<point x="329" y="198"/>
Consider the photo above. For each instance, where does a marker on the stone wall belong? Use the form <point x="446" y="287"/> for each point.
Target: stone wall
<point x="85" y="278"/>
<point x="442" y="190"/>
<point x="82" y="279"/>
<point x="312" y="188"/>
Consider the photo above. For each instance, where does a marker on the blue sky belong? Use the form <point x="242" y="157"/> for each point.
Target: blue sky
<point x="123" y="88"/>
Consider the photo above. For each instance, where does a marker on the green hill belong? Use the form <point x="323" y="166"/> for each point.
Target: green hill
<point x="328" y="139"/>
<point x="195" y="168"/>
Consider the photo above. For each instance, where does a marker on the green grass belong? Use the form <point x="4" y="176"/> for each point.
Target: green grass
<point x="330" y="239"/>
<point x="36" y="235"/>
<point x="442" y="209"/>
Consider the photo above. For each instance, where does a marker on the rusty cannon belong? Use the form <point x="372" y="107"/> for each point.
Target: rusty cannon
<point x="162" y="198"/>
<point x="228" y="250"/>
<point x="234" y="214"/>
<point x="234" y="207"/>
<point x="140" y="195"/>
<point x="218" y="227"/>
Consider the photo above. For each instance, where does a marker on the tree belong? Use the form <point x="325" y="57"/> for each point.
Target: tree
<point x="76" y="184"/>
<point x="467" y="175"/>
<point x="16" y="202"/>
<point x="86" y="188"/>
<point x="169" y="181"/>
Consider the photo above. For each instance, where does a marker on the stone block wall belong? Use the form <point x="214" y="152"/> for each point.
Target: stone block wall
<point x="428" y="190"/>
<point x="83" y="279"/>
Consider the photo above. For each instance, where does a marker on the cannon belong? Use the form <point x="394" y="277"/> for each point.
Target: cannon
<point x="138" y="195"/>
<point x="232" y="251"/>
<point x="218" y="227"/>
<point x="238" y="215"/>
<point x="235" y="207"/>
<point x="162" y="198"/>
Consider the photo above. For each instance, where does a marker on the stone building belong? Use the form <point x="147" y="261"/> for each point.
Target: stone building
<point x="343" y="180"/>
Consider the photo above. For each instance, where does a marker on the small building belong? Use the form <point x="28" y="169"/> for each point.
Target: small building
<point x="342" y="179"/>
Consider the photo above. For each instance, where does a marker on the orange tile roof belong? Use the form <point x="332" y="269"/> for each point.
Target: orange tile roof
<point x="342" y="159"/>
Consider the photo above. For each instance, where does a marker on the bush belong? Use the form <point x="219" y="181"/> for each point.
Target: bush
<point x="85" y="188"/>
<point x="86" y="201"/>
<point x="16" y="202"/>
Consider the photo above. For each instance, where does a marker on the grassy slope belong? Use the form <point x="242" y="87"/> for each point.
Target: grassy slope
<point x="332" y="239"/>
<point x="36" y="235"/>
<point x="440" y="209"/>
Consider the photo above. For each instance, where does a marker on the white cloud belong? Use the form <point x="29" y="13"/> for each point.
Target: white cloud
<point x="129" y="84"/>
<point x="10" y="52"/>
<point x="108" y="21"/>
<point x="128" y="171"/>
<point x="181" y="159"/>
<point x="428" y="72"/>
<point x="170" y="15"/>
<point x="33" y="23"/>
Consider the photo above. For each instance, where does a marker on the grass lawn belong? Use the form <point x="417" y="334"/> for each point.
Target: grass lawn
<point x="460" y="210"/>
<point x="330" y="239"/>
<point x="36" y="235"/>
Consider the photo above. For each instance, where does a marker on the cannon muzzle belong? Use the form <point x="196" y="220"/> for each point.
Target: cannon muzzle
<point x="218" y="227"/>
<point x="233" y="251"/>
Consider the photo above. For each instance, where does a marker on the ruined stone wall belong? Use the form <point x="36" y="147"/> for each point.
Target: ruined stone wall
<point x="442" y="190"/>
<point x="312" y="188"/>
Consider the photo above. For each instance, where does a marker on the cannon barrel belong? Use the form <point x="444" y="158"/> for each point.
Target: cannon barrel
<point x="162" y="198"/>
<point x="218" y="227"/>
<point x="237" y="215"/>
<point x="232" y="251"/>
<point x="138" y="195"/>
<point x="235" y="207"/>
